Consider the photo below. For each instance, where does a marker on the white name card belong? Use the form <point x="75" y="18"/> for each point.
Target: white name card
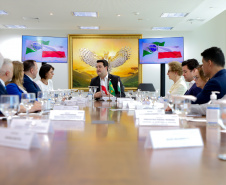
<point x="67" y="115"/>
<point x="62" y="107"/>
<point x="69" y="125"/>
<point x="139" y="113"/>
<point x="159" y="120"/>
<point x="38" y="126"/>
<point x="70" y="102"/>
<point x="18" y="138"/>
<point x="157" y="139"/>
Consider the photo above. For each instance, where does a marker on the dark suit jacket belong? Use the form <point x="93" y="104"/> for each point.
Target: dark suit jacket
<point x="114" y="80"/>
<point x="2" y="90"/>
<point x="216" y="83"/>
<point x="30" y="86"/>
<point x="13" y="89"/>
<point x="194" y="90"/>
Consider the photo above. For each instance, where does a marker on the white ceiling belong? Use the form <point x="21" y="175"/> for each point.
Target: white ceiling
<point x="149" y="13"/>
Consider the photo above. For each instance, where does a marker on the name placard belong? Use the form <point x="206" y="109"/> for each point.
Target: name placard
<point x="159" y="120"/>
<point x="18" y="138"/>
<point x="70" y="102"/>
<point x="69" y="125"/>
<point x="67" y="115"/>
<point x="62" y="107"/>
<point x="38" y="126"/>
<point x="157" y="139"/>
<point x="139" y="113"/>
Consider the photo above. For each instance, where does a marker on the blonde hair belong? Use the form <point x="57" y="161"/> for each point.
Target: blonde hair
<point x="201" y="74"/>
<point x="18" y="68"/>
<point x="176" y="67"/>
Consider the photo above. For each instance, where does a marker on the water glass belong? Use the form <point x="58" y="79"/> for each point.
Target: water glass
<point x="9" y="106"/>
<point x="27" y="100"/>
<point x="80" y="93"/>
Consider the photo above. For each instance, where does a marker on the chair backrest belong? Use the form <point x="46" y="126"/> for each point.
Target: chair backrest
<point x="146" y="87"/>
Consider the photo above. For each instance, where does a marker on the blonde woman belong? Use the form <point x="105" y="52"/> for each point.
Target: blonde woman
<point x="15" y="87"/>
<point x="175" y="73"/>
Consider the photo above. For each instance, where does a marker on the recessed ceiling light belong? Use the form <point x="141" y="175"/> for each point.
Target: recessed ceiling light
<point x="15" y="26"/>
<point x="174" y="14"/>
<point x="89" y="27"/>
<point x="136" y="13"/>
<point x="51" y="13"/>
<point x="85" y="14"/>
<point x="2" y="12"/>
<point x="118" y="15"/>
<point x="162" y="28"/>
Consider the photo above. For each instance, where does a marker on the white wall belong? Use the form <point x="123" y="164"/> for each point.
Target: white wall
<point x="210" y="34"/>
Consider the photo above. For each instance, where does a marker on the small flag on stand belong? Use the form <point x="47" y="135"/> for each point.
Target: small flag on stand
<point x="119" y="88"/>
<point x="111" y="88"/>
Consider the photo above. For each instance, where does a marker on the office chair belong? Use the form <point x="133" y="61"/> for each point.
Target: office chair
<point x="146" y="87"/>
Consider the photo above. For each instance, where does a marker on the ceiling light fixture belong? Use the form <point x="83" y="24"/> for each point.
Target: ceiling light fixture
<point x="118" y="15"/>
<point x="85" y="14"/>
<point x="2" y="12"/>
<point x="162" y="28"/>
<point x="15" y="26"/>
<point x="174" y="14"/>
<point x="51" y="13"/>
<point x="89" y="27"/>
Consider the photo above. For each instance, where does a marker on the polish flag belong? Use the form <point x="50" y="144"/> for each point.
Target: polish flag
<point x="53" y="51"/>
<point x="169" y="52"/>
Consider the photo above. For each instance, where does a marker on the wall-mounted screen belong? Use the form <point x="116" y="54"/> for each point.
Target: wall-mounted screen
<point x="161" y="50"/>
<point x="45" y="49"/>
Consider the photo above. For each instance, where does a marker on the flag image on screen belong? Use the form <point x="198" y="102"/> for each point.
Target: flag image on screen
<point x="161" y="50"/>
<point x="44" y="49"/>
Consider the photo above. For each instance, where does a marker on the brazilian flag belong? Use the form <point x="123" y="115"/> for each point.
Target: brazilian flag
<point x="111" y="88"/>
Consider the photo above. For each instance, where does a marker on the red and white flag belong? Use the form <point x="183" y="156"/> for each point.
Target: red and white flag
<point x="103" y="87"/>
<point x="169" y="52"/>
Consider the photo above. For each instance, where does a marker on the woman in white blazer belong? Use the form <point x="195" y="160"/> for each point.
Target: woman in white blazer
<point x="175" y="73"/>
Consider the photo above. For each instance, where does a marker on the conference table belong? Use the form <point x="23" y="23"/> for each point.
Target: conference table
<point x="108" y="149"/>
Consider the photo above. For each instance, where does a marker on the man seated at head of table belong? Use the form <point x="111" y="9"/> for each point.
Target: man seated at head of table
<point x="213" y="68"/>
<point x="103" y="79"/>
<point x="30" y="72"/>
<point x="188" y="67"/>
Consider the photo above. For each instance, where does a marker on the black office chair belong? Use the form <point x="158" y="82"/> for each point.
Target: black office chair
<point x="146" y="87"/>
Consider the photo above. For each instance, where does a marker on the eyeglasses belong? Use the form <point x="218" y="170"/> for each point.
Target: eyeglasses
<point x="196" y="77"/>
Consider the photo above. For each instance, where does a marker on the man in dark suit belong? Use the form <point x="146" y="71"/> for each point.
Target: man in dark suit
<point x="30" y="72"/>
<point x="188" y="67"/>
<point x="102" y="81"/>
<point x="6" y="74"/>
<point x="213" y="67"/>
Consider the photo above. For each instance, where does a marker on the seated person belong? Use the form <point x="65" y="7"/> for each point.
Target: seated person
<point x="102" y="81"/>
<point x="15" y="87"/>
<point x="213" y="68"/>
<point x="6" y="73"/>
<point x="188" y="68"/>
<point x="46" y="74"/>
<point x="30" y="72"/>
<point x="175" y="72"/>
<point x="200" y="80"/>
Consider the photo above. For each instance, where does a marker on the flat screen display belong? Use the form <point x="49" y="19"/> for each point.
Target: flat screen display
<point x="45" y="49"/>
<point x="161" y="50"/>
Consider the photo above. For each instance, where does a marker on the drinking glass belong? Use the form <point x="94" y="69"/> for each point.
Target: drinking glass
<point x="80" y="93"/>
<point x="9" y="106"/>
<point x="130" y="93"/>
<point x="43" y="97"/>
<point x="153" y="98"/>
<point x="27" y="100"/>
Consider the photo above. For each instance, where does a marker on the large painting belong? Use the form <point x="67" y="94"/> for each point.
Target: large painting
<point x="121" y="52"/>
